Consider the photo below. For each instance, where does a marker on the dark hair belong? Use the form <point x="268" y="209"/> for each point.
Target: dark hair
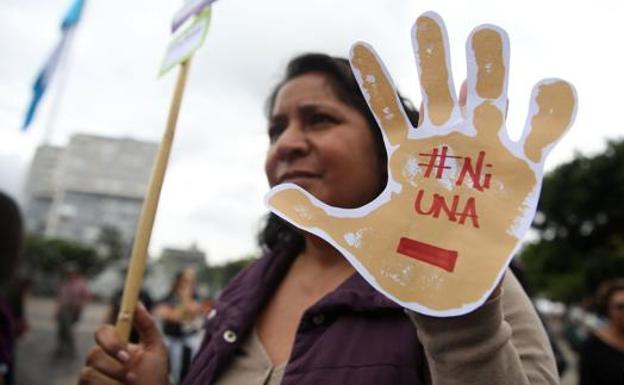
<point x="175" y="283"/>
<point x="340" y="78"/>
<point x="605" y="292"/>
<point x="11" y="228"/>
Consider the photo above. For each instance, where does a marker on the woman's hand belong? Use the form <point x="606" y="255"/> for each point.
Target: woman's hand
<point x="460" y="194"/>
<point x="114" y="361"/>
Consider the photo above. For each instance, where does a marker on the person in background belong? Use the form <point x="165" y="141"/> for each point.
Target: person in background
<point x="113" y="310"/>
<point x="581" y="321"/>
<point x="11" y="244"/>
<point x="73" y="294"/>
<point x="180" y="313"/>
<point x="18" y="288"/>
<point x="601" y="360"/>
<point x="115" y="303"/>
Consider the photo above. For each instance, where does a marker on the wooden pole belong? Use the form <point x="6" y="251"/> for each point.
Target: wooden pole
<point x="136" y="269"/>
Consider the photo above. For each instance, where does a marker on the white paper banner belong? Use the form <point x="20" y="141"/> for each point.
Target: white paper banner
<point x="186" y="43"/>
<point x="190" y="8"/>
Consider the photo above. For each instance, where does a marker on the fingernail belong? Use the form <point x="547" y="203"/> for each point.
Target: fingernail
<point x="123" y="356"/>
<point x="130" y="376"/>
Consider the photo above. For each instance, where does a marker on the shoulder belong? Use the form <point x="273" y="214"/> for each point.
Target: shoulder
<point x="591" y="343"/>
<point x="600" y="341"/>
<point x="595" y="352"/>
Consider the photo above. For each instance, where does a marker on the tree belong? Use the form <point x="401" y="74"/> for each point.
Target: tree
<point x="110" y="244"/>
<point x="580" y="222"/>
<point x="45" y="260"/>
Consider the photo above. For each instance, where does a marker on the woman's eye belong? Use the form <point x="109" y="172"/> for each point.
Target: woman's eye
<point x="322" y="119"/>
<point x="275" y="130"/>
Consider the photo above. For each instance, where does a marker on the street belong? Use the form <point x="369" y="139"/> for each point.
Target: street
<point x="35" y="363"/>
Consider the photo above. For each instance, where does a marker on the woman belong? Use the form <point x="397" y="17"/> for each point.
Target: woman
<point x="300" y="314"/>
<point x="602" y="354"/>
<point x="180" y="313"/>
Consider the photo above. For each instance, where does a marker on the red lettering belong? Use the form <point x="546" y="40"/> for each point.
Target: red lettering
<point x="474" y="172"/>
<point x="417" y="204"/>
<point x="440" y="205"/>
<point x="437" y="161"/>
<point x="470" y="211"/>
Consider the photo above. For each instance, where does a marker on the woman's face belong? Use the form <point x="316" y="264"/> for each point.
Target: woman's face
<point x="615" y="310"/>
<point x="187" y="279"/>
<point x="321" y="144"/>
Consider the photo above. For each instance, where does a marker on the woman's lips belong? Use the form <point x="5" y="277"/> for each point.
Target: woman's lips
<point x="297" y="176"/>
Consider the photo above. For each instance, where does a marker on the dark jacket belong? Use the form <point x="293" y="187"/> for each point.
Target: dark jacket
<point x="353" y="335"/>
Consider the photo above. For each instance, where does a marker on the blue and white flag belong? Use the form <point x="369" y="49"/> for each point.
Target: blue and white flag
<point x="70" y="20"/>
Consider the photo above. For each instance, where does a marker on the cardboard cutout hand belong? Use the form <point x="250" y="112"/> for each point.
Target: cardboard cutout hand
<point x="460" y="193"/>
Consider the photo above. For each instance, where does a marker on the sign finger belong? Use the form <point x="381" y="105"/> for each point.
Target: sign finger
<point x="432" y="58"/>
<point x="554" y="106"/>
<point x="380" y="93"/>
<point x="488" y="62"/>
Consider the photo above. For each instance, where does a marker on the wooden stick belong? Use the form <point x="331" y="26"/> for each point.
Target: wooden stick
<point x="134" y="277"/>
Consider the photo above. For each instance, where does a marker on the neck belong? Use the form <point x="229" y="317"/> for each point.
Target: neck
<point x="320" y="265"/>
<point x="317" y="251"/>
<point x="319" y="268"/>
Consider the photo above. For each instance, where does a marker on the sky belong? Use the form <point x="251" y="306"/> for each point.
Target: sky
<point x="215" y="184"/>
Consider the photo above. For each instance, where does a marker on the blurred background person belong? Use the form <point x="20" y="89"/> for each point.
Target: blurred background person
<point x="581" y="321"/>
<point x="602" y="353"/>
<point x="11" y="301"/>
<point x="181" y="315"/>
<point x="115" y="304"/>
<point x="73" y="295"/>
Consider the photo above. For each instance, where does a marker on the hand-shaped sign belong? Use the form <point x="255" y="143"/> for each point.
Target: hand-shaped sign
<point x="460" y="193"/>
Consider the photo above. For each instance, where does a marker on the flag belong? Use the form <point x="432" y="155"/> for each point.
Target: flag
<point x="70" y="20"/>
<point x="72" y="17"/>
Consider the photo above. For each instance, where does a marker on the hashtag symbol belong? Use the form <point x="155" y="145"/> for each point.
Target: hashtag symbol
<point x="440" y="158"/>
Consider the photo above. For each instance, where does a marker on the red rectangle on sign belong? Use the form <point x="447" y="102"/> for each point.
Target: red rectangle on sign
<point x="437" y="256"/>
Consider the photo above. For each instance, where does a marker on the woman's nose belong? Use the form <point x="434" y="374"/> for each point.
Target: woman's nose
<point x="292" y="143"/>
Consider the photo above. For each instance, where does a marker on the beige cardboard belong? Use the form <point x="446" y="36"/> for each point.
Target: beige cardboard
<point x="437" y="240"/>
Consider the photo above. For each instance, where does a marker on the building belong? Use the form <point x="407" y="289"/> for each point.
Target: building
<point x="94" y="185"/>
<point x="173" y="260"/>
